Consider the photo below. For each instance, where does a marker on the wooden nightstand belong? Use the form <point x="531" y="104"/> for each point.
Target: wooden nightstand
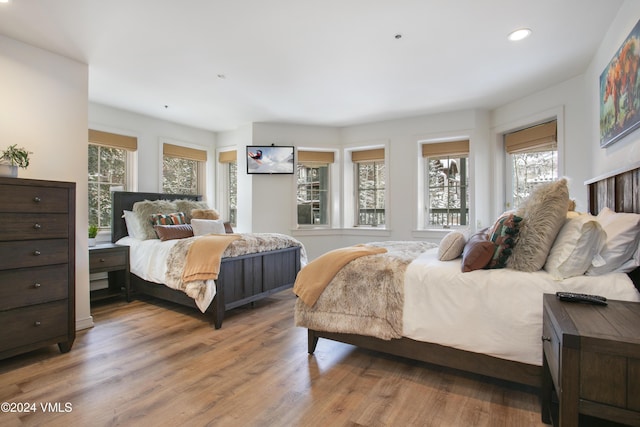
<point x="591" y="361"/>
<point x="113" y="259"/>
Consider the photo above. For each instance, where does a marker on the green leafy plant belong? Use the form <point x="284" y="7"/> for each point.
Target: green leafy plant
<point x="16" y="156"/>
<point x="93" y="231"/>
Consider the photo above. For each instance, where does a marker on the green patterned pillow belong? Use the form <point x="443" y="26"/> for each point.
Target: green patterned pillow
<point x="503" y="236"/>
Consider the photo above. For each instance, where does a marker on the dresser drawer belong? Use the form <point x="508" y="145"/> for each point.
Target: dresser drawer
<point x="19" y="288"/>
<point x="29" y="325"/>
<point x="33" y="253"/>
<point x="26" y="198"/>
<point x="99" y="261"/>
<point x="33" y="226"/>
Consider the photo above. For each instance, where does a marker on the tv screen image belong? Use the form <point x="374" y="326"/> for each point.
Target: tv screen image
<point x="270" y="159"/>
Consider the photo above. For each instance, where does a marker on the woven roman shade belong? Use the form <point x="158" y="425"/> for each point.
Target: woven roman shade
<point x="181" y="152"/>
<point x="374" y="155"/>
<point x="541" y="137"/>
<point x="114" y="140"/>
<point x="448" y="148"/>
<point x="315" y="156"/>
<point x="228" y="156"/>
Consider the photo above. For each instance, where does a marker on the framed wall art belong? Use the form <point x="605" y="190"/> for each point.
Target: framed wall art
<point x="620" y="90"/>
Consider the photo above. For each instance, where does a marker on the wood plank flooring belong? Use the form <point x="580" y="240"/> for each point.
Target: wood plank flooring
<point x="155" y="364"/>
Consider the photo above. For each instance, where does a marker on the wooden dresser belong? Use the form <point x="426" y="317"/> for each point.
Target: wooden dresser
<point x="591" y="363"/>
<point x="37" y="265"/>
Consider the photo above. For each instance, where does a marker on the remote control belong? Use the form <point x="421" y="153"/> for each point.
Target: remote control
<point x="585" y="298"/>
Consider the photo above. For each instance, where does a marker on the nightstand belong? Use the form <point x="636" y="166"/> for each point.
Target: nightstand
<point x="591" y="362"/>
<point x="113" y="259"/>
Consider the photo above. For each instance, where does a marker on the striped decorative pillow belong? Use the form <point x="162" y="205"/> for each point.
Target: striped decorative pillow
<point x="175" y="218"/>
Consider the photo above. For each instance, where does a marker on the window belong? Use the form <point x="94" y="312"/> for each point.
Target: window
<point x="109" y="161"/>
<point x="532" y="155"/>
<point x="313" y="187"/>
<point x="183" y="169"/>
<point x="370" y="186"/>
<point x="447" y="184"/>
<point x="229" y="203"/>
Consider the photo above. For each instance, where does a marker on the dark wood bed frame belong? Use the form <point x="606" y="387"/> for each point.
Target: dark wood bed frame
<point x="617" y="190"/>
<point x="242" y="279"/>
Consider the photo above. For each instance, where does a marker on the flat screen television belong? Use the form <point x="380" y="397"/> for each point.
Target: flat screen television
<point x="270" y="159"/>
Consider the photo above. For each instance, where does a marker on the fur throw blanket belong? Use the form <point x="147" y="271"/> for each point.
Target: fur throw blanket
<point x="203" y="291"/>
<point x="366" y="297"/>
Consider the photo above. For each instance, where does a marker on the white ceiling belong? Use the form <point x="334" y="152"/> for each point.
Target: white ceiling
<point x="327" y="62"/>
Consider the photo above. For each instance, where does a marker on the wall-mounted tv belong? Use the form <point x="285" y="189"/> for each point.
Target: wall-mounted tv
<point x="270" y="159"/>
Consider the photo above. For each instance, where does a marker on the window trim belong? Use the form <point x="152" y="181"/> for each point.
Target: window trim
<point x="438" y="147"/>
<point x="201" y="186"/>
<point x="350" y="191"/>
<point x="225" y="156"/>
<point x="334" y="196"/>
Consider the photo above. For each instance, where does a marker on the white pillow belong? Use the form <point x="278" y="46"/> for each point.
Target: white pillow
<point x="623" y="236"/>
<point x="580" y="239"/>
<point x="134" y="228"/>
<point x="207" y="226"/>
<point x="451" y="246"/>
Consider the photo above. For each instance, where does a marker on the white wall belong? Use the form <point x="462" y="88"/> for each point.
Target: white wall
<point x="150" y="132"/>
<point x="626" y="151"/>
<point x="43" y="107"/>
<point x="568" y="101"/>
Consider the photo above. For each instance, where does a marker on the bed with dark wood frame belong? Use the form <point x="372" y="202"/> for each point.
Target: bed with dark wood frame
<point x="617" y="190"/>
<point x="242" y="279"/>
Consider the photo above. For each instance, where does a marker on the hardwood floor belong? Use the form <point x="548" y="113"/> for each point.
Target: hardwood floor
<point x="158" y="364"/>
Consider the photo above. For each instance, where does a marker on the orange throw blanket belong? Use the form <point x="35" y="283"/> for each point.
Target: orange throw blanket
<point x="316" y="275"/>
<point x="204" y="256"/>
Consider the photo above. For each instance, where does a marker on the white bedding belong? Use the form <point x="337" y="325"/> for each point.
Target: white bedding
<point x="495" y="312"/>
<point x="148" y="260"/>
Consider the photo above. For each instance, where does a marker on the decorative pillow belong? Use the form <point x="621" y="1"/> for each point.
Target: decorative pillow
<point x="451" y="246"/>
<point x="543" y="213"/>
<point x="580" y="239"/>
<point x="503" y="236"/>
<point x="207" y="226"/>
<point x="623" y="236"/>
<point x="146" y="208"/>
<point x="134" y="228"/>
<point x="171" y="232"/>
<point x="174" y="218"/>
<point x="186" y="206"/>
<point x="477" y="252"/>
<point x="205" y="214"/>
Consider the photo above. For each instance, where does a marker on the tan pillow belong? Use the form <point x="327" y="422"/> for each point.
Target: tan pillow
<point x="477" y="252"/>
<point x="146" y="208"/>
<point x="543" y="213"/>
<point x="204" y="214"/>
<point x="186" y="206"/>
<point x="451" y="246"/>
<point x="171" y="232"/>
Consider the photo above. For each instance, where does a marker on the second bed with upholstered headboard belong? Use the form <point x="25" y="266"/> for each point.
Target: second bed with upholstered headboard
<point x="252" y="267"/>
<point x="487" y="322"/>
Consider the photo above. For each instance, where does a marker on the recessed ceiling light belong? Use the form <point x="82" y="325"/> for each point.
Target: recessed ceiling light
<point x="519" y="34"/>
<point x="398" y="36"/>
<point x="4" y="1"/>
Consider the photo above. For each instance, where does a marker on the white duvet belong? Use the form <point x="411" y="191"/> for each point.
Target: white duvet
<point x="495" y="312"/>
<point x="148" y="260"/>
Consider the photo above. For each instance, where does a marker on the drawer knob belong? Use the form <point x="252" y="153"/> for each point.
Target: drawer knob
<point x="37" y="199"/>
<point x="37" y="323"/>
<point x="36" y="285"/>
<point x="101" y="259"/>
<point x="36" y="252"/>
<point x="37" y="226"/>
<point x="546" y="338"/>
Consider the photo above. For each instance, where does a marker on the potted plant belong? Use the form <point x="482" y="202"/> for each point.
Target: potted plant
<point x="11" y="159"/>
<point x="93" y="232"/>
